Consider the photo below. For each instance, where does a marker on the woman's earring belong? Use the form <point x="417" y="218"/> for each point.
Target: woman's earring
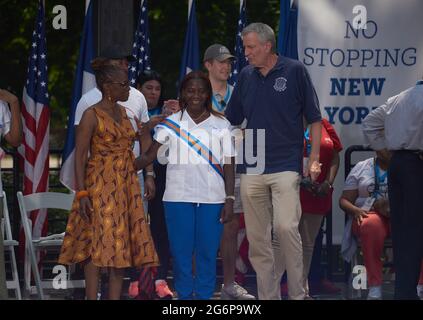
<point x="109" y="98"/>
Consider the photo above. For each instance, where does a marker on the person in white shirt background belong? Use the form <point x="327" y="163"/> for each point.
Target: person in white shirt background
<point x="199" y="192"/>
<point x="11" y="130"/>
<point x="218" y="60"/>
<point x="365" y="199"/>
<point x="397" y="126"/>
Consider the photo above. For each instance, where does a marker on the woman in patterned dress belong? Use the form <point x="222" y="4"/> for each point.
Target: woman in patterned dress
<point x="107" y="226"/>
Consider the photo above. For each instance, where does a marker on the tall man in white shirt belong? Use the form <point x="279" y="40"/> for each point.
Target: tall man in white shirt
<point x="217" y="60"/>
<point x="397" y="126"/>
<point x="136" y="107"/>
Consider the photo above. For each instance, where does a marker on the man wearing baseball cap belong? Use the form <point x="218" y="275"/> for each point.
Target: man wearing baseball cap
<point x="217" y="60"/>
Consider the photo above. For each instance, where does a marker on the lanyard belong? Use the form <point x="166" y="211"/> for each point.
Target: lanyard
<point x="218" y="104"/>
<point x="378" y="178"/>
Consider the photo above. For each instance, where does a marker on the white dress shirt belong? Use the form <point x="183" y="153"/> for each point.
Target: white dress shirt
<point x="397" y="124"/>
<point x="136" y="105"/>
<point x="189" y="177"/>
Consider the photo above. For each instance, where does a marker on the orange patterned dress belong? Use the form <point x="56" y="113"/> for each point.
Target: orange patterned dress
<point x="117" y="234"/>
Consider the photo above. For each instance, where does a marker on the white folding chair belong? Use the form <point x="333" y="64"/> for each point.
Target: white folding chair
<point x="35" y="201"/>
<point x="9" y="245"/>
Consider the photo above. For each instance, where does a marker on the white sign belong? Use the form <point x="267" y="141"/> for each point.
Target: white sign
<point x="358" y="53"/>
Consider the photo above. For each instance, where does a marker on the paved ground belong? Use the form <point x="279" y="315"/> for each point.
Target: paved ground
<point x="250" y="285"/>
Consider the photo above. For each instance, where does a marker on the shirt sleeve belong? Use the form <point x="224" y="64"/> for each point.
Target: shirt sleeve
<point x="4" y="118"/>
<point x="80" y="108"/>
<point x="144" y="109"/>
<point x="161" y="135"/>
<point x="374" y="127"/>
<point x="228" y="141"/>
<point x="333" y="135"/>
<point x="351" y="183"/>
<point x="310" y="100"/>
<point x="234" y="110"/>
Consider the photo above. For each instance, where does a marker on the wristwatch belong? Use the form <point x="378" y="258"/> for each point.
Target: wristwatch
<point x="151" y="173"/>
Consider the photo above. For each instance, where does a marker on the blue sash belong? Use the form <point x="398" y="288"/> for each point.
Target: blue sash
<point x="194" y="144"/>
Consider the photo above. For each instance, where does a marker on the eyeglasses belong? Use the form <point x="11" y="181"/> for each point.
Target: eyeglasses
<point x="123" y="84"/>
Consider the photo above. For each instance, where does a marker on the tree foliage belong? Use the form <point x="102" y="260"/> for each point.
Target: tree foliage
<point x="217" y="21"/>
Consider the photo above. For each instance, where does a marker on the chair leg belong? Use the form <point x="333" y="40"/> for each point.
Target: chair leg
<point x="15" y="274"/>
<point x="35" y="272"/>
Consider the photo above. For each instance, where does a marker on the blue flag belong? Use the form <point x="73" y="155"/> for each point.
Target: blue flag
<point x="141" y="46"/>
<point x="84" y="81"/>
<point x="240" y="61"/>
<point x="190" y="58"/>
<point x="287" y="38"/>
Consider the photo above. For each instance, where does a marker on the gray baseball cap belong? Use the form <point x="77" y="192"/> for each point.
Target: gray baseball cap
<point x="218" y="52"/>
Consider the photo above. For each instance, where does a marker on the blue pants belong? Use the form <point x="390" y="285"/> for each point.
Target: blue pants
<point x="194" y="231"/>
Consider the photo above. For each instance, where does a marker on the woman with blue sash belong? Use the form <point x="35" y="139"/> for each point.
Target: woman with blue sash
<point x="199" y="192"/>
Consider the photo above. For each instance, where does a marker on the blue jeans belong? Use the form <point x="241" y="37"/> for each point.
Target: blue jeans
<point x="194" y="231"/>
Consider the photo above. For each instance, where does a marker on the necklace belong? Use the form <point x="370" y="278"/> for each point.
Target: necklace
<point x="195" y="119"/>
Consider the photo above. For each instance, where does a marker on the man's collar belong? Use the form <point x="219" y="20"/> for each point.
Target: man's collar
<point x="278" y="65"/>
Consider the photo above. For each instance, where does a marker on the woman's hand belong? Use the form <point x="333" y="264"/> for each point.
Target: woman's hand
<point x="149" y="188"/>
<point x="155" y="120"/>
<point x="381" y="206"/>
<point x="227" y="213"/>
<point x="323" y="189"/>
<point x="360" y="215"/>
<point x="85" y="208"/>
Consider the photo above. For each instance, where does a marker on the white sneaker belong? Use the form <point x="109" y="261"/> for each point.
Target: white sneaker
<point x="420" y="291"/>
<point x="375" y="293"/>
<point x="235" y="292"/>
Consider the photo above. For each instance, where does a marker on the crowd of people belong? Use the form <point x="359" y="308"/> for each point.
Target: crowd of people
<point x="163" y="183"/>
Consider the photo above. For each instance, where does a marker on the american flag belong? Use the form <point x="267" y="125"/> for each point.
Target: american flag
<point x="36" y="123"/>
<point x="240" y="61"/>
<point x="191" y="54"/>
<point x="141" y="46"/>
<point x="84" y="82"/>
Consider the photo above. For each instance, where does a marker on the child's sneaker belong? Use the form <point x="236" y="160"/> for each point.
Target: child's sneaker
<point x="162" y="290"/>
<point x="133" y="289"/>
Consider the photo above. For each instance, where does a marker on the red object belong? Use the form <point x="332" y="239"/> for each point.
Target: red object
<point x="328" y="144"/>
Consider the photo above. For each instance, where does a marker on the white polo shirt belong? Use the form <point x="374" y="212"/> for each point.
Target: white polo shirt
<point x="4" y="126"/>
<point x="136" y="104"/>
<point x="190" y="177"/>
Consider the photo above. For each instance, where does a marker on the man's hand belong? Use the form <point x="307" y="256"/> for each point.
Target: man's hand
<point x="170" y="106"/>
<point x="149" y="188"/>
<point x="313" y="169"/>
